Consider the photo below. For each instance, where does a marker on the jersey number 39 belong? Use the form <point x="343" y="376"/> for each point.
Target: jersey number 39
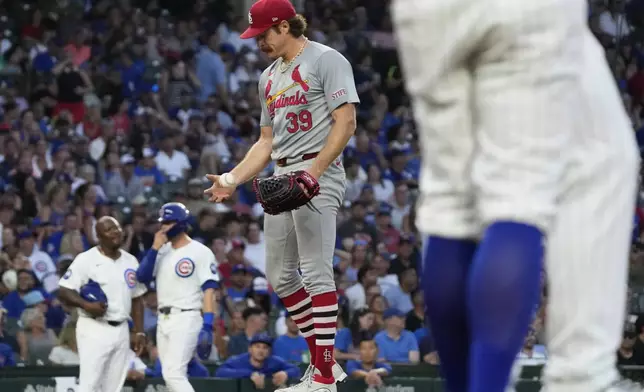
<point x="301" y="121"/>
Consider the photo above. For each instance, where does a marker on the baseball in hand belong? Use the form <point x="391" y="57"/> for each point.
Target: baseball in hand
<point x="228" y="180"/>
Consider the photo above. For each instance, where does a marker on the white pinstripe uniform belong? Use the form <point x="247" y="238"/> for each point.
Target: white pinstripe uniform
<point x="520" y="120"/>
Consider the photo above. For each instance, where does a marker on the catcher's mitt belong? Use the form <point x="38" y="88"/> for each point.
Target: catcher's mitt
<point x="283" y="192"/>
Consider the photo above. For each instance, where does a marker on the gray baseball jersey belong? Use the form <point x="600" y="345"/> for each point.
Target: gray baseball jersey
<point x="298" y="102"/>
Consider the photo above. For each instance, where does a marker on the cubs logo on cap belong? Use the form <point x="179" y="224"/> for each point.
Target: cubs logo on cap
<point x="185" y="267"/>
<point x="267" y="13"/>
<point x="130" y="277"/>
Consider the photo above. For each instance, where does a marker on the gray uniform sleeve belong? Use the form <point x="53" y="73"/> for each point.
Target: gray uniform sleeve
<point x="336" y="76"/>
<point x="265" y="119"/>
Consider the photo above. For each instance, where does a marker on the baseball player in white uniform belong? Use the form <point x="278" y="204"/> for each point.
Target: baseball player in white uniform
<point x="525" y="140"/>
<point x="186" y="281"/>
<point x="102" y="331"/>
<point x="308" y="97"/>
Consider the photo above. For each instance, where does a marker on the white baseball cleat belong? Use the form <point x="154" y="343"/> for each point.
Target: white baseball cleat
<point x="315" y="386"/>
<point x="338" y="374"/>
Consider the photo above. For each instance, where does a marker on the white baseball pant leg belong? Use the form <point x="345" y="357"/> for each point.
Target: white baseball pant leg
<point x="588" y="250"/>
<point x="304" y="239"/>
<point x="103" y="351"/>
<point x="177" y="337"/>
<point x="491" y="82"/>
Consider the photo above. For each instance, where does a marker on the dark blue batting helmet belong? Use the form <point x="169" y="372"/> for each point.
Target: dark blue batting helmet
<point x="92" y="292"/>
<point x="175" y="213"/>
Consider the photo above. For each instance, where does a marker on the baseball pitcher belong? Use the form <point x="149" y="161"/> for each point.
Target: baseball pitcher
<point x="524" y="139"/>
<point x="101" y="283"/>
<point x="186" y="281"/>
<point x="308" y="98"/>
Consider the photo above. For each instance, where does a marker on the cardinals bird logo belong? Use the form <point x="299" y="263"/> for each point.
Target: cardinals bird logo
<point x="267" y="91"/>
<point x="297" y="78"/>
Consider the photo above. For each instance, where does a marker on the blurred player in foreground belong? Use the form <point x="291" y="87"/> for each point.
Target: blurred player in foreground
<point x="525" y="140"/>
<point x="186" y="281"/>
<point x="308" y="99"/>
<point x="105" y="275"/>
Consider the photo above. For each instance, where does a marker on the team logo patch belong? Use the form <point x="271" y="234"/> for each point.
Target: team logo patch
<point x="250" y="18"/>
<point x="213" y="268"/>
<point x="68" y="274"/>
<point x="185" y="267"/>
<point x="130" y="277"/>
<point x="41" y="266"/>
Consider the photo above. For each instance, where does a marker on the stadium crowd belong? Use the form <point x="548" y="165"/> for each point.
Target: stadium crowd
<point x="115" y="107"/>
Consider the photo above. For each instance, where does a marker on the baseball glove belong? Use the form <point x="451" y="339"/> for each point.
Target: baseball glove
<point x="204" y="344"/>
<point x="284" y="192"/>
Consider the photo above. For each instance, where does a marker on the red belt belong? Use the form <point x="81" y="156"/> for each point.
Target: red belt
<point x="286" y="161"/>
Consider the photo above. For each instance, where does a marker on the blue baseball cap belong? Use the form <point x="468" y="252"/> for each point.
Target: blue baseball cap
<point x="393" y="312"/>
<point x="25" y="234"/>
<point x="384" y="209"/>
<point x="32" y="298"/>
<point x="261" y="338"/>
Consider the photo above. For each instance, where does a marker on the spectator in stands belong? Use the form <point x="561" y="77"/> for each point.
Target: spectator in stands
<point x="416" y="317"/>
<point x="238" y="284"/>
<point x="35" y="339"/>
<point x="13" y="302"/>
<point x="66" y="352"/>
<point x="255" y="250"/>
<point x="291" y="346"/>
<point x="5" y="336"/>
<point x="171" y="161"/>
<point x="258" y="364"/>
<point x="378" y="306"/>
<point x="381" y="264"/>
<point x="388" y="235"/>
<point x="367" y="367"/>
<point x="348" y="339"/>
<point x="123" y="182"/>
<point x="254" y="322"/>
<point x="258" y="294"/>
<point x="357" y="294"/>
<point x="357" y="225"/>
<point x="211" y="70"/>
<point x="396" y="344"/>
<point x="41" y="263"/>
<point x="406" y="257"/>
<point x="625" y="355"/>
<point x="399" y="297"/>
<point x="360" y="256"/>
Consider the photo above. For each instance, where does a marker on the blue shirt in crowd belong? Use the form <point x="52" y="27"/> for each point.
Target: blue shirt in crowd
<point x="396" y="350"/>
<point x="290" y="348"/>
<point x="240" y="367"/>
<point x="211" y="72"/>
<point x="344" y="340"/>
<point x="399" y="299"/>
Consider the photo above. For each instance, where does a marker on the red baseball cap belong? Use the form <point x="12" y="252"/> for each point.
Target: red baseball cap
<point x="265" y="14"/>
